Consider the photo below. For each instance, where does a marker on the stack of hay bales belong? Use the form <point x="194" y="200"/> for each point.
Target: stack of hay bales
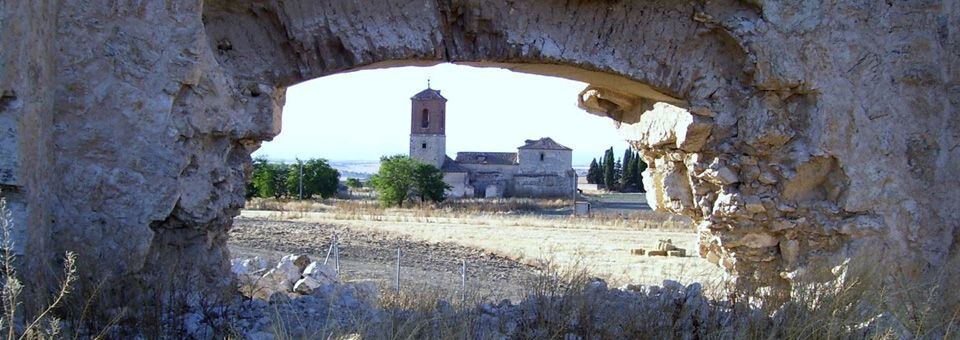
<point x="664" y="248"/>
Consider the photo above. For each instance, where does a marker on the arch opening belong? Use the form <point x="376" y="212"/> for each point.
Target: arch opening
<point x="705" y="82"/>
<point x="497" y="115"/>
<point x="127" y="128"/>
<point x="721" y="160"/>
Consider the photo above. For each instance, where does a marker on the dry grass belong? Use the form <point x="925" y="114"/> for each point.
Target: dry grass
<point x="525" y="239"/>
<point x="865" y="304"/>
<point x="868" y="302"/>
<point x="14" y="324"/>
<point x="509" y="211"/>
<point x="559" y="304"/>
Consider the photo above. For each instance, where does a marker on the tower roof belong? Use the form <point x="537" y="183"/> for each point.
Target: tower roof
<point x="428" y="94"/>
<point x="545" y="143"/>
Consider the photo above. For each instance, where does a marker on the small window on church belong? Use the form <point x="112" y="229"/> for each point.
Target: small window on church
<point x="541" y="156"/>
<point x="425" y="118"/>
<point x="423" y="146"/>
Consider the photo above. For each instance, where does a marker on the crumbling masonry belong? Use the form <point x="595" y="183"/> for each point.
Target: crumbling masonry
<point x="808" y="130"/>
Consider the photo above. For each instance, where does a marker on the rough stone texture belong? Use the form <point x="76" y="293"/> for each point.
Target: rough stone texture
<point x="430" y="149"/>
<point x="126" y="129"/>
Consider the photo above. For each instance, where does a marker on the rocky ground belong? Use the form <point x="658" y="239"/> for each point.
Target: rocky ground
<point x="367" y="255"/>
<point x="569" y="308"/>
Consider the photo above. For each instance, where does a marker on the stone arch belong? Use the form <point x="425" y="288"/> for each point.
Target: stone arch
<point x="128" y="128"/>
<point x="695" y="66"/>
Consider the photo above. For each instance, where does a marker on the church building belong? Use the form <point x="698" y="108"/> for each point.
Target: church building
<point x="539" y="168"/>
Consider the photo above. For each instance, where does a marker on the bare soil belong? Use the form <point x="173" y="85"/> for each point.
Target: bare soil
<point x="371" y="255"/>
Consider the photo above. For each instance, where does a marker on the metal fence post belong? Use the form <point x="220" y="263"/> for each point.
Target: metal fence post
<point x="398" y="269"/>
<point x="336" y="252"/>
<point x="463" y="282"/>
<point x="329" y="250"/>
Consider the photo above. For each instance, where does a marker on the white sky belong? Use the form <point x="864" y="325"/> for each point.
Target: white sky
<point x="363" y="115"/>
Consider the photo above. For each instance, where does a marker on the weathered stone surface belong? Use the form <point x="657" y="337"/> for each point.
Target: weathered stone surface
<point x="320" y="272"/>
<point x="668" y="125"/>
<point x="306" y="285"/>
<point x="127" y="129"/>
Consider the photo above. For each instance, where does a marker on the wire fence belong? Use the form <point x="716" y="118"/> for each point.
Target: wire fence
<point x="333" y="253"/>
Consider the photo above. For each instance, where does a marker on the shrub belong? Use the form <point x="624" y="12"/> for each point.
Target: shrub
<point x="401" y="178"/>
<point x="319" y="179"/>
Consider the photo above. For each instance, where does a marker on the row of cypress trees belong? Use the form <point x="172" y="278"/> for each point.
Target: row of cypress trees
<point x="624" y="174"/>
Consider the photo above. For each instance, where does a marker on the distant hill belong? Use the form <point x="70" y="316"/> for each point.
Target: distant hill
<point x="365" y="169"/>
<point x="581" y="169"/>
<point x="356" y="169"/>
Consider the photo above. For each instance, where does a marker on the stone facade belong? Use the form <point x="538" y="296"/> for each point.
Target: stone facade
<point x="544" y="161"/>
<point x="459" y="183"/>
<point x="428" y="141"/>
<point x="811" y="131"/>
<point x="429" y="148"/>
<point x="540" y="168"/>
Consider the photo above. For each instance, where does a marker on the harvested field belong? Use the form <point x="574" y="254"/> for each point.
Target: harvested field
<point x="368" y="254"/>
<point x="501" y="252"/>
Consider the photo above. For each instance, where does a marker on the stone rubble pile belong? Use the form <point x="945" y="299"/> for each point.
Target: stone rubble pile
<point x="347" y="307"/>
<point x="670" y="310"/>
<point x="293" y="275"/>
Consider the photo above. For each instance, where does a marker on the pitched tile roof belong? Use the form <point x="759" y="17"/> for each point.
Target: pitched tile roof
<point x="450" y="165"/>
<point x="503" y="158"/>
<point x="428" y="94"/>
<point x="545" y="143"/>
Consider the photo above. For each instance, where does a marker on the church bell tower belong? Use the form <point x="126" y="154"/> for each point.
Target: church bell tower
<point x="428" y="141"/>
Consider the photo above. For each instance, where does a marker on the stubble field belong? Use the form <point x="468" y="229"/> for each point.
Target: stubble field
<point x="502" y="249"/>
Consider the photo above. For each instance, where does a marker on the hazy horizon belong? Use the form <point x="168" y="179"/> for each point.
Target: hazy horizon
<point x="361" y="116"/>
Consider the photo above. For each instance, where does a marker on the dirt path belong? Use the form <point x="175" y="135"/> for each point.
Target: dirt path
<point x="371" y="255"/>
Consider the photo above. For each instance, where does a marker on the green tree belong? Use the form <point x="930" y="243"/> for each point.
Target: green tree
<point x="394" y="180"/>
<point x="600" y="170"/>
<point x="354" y="183"/>
<point x="609" y="174"/>
<point x="628" y="181"/>
<point x="617" y="175"/>
<point x="319" y="179"/>
<point x="268" y="179"/>
<point x="251" y="191"/>
<point x="401" y="178"/>
<point x="592" y="172"/>
<point x="640" y="168"/>
<point x="428" y="183"/>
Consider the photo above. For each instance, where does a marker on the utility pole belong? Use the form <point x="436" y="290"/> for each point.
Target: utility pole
<point x="300" y="178"/>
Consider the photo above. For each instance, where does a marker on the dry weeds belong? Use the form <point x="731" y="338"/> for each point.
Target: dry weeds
<point x="508" y="211"/>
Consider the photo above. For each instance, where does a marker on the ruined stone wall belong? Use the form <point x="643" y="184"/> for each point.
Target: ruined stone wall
<point x="459" y="184"/>
<point x="810" y="129"/>
<point x="482" y="175"/>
